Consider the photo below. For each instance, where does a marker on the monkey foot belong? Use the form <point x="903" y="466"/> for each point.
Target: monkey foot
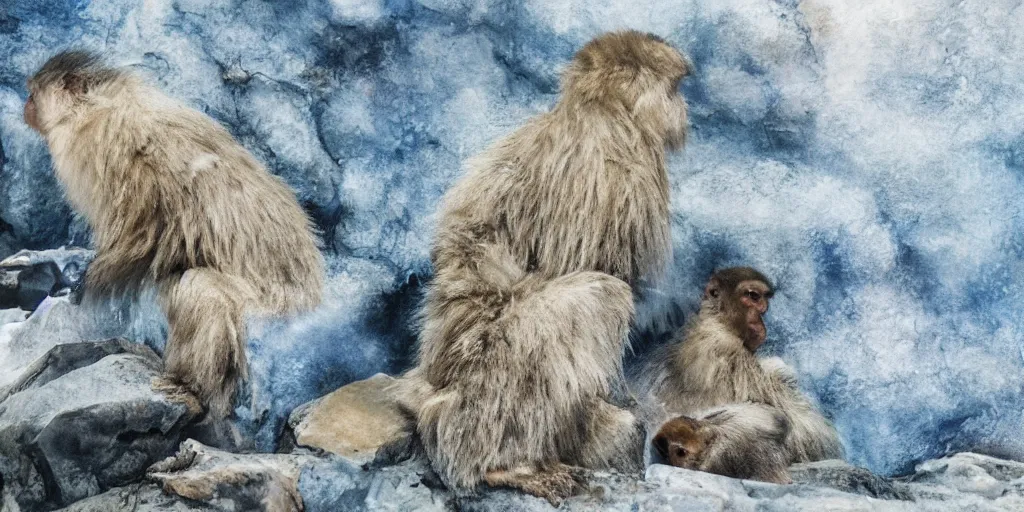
<point x="553" y="483"/>
<point x="176" y="393"/>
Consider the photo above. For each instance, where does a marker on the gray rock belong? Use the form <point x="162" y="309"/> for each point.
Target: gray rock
<point x="28" y="277"/>
<point x="202" y="478"/>
<point x="230" y="481"/>
<point x="996" y="481"/>
<point x="57" y="321"/>
<point x="842" y="476"/>
<point x="82" y="420"/>
<point x="146" y="497"/>
<point x="68" y="357"/>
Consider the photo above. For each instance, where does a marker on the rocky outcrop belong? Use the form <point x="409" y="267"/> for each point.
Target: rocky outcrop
<point x="83" y="419"/>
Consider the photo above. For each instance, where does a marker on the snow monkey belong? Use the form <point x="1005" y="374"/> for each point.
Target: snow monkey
<point x="743" y="440"/>
<point x="173" y="200"/>
<point x="536" y="249"/>
<point x="714" y="364"/>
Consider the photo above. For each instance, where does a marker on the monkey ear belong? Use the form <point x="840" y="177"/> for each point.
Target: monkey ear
<point x="75" y="84"/>
<point x="711" y="291"/>
<point x="661" y="444"/>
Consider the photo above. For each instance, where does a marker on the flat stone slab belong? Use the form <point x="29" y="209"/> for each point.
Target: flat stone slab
<point x="840" y="475"/>
<point x="13" y="315"/>
<point x="352" y="422"/>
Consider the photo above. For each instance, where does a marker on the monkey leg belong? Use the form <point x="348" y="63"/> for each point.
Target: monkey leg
<point x="811" y="436"/>
<point x="519" y="375"/>
<point x="554" y="483"/>
<point x="205" y="350"/>
<point x="614" y="438"/>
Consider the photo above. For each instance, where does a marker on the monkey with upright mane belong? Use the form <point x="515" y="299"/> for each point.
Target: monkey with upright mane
<point x="174" y="201"/>
<point x="535" y="253"/>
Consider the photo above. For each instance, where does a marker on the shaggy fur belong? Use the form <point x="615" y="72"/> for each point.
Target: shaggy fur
<point x="527" y="317"/>
<point x="709" y="365"/>
<point x="743" y="440"/>
<point x="174" y="200"/>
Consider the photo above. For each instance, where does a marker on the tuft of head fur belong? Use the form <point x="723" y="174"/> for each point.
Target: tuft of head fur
<point x="730" y="278"/>
<point x="635" y="74"/>
<point x="75" y="70"/>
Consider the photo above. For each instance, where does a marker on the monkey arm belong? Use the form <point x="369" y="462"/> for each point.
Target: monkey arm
<point x="812" y="437"/>
<point x="127" y="234"/>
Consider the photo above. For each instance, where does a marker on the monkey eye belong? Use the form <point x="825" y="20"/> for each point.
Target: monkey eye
<point x="754" y="296"/>
<point x="680" y="452"/>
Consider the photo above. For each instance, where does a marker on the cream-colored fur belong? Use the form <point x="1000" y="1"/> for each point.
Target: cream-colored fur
<point x="174" y="200"/>
<point x="528" y="313"/>
<point x="710" y="367"/>
<point x="740" y="440"/>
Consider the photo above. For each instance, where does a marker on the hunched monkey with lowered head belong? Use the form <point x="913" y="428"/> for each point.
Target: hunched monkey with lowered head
<point x="527" y="317"/>
<point x="713" y="363"/>
<point x="743" y="440"/>
<point x="173" y="200"/>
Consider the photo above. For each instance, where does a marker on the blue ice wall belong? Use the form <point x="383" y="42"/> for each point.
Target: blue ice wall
<point x="866" y="155"/>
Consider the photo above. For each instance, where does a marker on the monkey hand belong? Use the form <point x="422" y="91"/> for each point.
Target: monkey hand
<point x="776" y="366"/>
<point x="555" y="483"/>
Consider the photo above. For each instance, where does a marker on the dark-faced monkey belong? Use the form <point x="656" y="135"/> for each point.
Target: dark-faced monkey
<point x="173" y="200"/>
<point x="535" y="253"/>
<point x="742" y="440"/>
<point x="713" y="363"/>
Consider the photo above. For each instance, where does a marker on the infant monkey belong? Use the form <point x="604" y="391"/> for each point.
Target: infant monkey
<point x="742" y="440"/>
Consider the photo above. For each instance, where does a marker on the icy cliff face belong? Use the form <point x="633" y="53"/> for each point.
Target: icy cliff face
<point x="866" y="155"/>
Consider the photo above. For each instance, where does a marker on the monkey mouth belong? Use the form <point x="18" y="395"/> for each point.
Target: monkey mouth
<point x="756" y="334"/>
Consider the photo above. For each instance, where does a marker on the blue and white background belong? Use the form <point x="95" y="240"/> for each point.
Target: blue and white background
<point x="869" y="156"/>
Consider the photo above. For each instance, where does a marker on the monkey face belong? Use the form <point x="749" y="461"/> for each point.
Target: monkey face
<point x="61" y="87"/>
<point x="681" y="442"/>
<point x="664" y="108"/>
<point x="741" y="295"/>
<point x="676" y="120"/>
<point x="47" y="106"/>
<point x="752" y="297"/>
